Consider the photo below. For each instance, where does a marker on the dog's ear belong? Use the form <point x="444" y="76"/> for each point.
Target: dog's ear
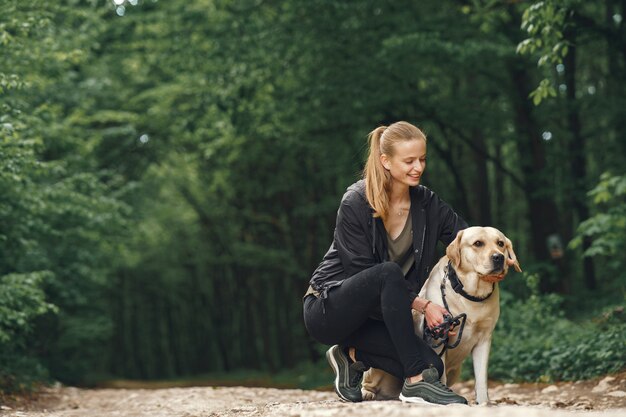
<point x="453" y="251"/>
<point x="509" y="251"/>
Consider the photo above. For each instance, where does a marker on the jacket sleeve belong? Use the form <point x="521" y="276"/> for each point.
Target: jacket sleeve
<point x="449" y="222"/>
<point x="352" y="240"/>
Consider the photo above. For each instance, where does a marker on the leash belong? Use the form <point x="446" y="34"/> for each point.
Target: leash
<point x="442" y="331"/>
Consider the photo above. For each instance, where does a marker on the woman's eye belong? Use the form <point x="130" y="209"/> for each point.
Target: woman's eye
<point x="478" y="243"/>
<point x="500" y="243"/>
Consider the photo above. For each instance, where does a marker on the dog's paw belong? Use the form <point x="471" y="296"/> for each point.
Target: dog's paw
<point x="368" y="395"/>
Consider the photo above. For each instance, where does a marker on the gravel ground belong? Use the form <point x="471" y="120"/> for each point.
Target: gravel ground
<point x="601" y="397"/>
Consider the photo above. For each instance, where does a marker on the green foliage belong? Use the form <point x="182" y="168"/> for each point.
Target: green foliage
<point x="22" y="300"/>
<point x="608" y="226"/>
<point x="54" y="253"/>
<point x="59" y="217"/>
<point x="544" y="22"/>
<point x="543" y="91"/>
<point x="533" y="340"/>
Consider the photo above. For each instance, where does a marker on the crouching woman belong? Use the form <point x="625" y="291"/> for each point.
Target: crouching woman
<point x="362" y="293"/>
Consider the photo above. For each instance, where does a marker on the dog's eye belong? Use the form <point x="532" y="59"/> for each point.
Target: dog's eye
<point x="478" y="243"/>
<point x="500" y="243"/>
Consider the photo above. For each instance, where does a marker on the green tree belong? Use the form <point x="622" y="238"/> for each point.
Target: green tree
<point x="59" y="218"/>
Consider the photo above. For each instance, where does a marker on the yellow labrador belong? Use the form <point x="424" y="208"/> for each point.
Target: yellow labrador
<point x="477" y="260"/>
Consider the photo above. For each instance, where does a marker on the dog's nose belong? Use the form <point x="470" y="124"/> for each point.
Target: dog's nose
<point x="498" y="259"/>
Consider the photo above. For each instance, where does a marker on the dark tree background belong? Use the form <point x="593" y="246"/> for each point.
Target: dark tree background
<point x="170" y="170"/>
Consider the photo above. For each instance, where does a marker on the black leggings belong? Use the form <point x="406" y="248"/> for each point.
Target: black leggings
<point x="344" y="318"/>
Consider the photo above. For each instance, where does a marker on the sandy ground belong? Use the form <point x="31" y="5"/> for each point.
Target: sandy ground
<point x="594" y="398"/>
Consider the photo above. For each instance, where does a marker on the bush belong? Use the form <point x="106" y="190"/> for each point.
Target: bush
<point x="608" y="226"/>
<point x="22" y="300"/>
<point x="533" y="341"/>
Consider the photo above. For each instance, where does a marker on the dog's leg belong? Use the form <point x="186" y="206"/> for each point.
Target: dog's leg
<point x="452" y="375"/>
<point x="480" y="357"/>
<point x="369" y="384"/>
<point x="367" y="395"/>
<point x="379" y="385"/>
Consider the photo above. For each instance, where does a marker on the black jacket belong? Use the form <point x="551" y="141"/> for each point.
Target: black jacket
<point x="360" y="240"/>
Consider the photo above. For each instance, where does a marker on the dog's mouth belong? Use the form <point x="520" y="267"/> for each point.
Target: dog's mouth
<point x="494" y="276"/>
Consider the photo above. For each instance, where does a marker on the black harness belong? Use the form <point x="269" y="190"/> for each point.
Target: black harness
<point x="442" y="331"/>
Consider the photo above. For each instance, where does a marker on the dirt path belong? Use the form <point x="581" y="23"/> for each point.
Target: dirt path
<point x="601" y="397"/>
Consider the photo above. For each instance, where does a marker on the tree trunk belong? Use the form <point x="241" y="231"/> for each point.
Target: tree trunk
<point x="498" y="191"/>
<point x="578" y="166"/>
<point x="480" y="187"/>
<point x="543" y="213"/>
<point x="463" y="206"/>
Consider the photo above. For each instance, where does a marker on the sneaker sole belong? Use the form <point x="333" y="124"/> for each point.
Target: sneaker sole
<point x="333" y="363"/>
<point x="418" y="400"/>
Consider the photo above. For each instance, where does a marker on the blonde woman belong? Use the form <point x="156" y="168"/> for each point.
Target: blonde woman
<point x="362" y="293"/>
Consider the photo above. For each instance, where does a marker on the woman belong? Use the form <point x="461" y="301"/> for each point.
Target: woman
<point x="362" y="293"/>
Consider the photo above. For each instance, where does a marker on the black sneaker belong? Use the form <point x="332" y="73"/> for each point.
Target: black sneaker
<point x="430" y="390"/>
<point x="347" y="376"/>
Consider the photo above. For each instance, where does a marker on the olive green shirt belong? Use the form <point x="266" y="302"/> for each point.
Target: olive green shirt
<point x="400" y="249"/>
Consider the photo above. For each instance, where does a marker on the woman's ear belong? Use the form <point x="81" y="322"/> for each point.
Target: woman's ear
<point x="512" y="256"/>
<point x="384" y="160"/>
<point x="453" y="251"/>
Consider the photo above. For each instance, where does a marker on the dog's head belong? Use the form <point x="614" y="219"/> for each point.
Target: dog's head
<point x="483" y="250"/>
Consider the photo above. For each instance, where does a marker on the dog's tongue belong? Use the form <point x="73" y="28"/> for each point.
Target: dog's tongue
<point x="493" y="278"/>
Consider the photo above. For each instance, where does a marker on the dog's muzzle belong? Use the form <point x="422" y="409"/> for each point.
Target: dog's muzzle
<point x="498" y="261"/>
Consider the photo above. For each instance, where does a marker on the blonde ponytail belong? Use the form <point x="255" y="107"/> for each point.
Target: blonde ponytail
<point x="377" y="178"/>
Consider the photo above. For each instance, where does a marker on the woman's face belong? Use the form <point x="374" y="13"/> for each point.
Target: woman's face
<point x="408" y="162"/>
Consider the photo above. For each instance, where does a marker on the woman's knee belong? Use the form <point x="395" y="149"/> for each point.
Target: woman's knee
<point x="381" y="274"/>
<point x="391" y="270"/>
<point x="391" y="273"/>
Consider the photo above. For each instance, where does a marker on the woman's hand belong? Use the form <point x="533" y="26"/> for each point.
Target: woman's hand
<point x="434" y="314"/>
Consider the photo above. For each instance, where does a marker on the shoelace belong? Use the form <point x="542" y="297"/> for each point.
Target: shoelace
<point x="441" y="385"/>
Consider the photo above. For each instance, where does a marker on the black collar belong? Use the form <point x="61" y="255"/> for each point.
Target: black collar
<point x="457" y="286"/>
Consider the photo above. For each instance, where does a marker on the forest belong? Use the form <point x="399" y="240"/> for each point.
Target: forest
<point x="170" y="173"/>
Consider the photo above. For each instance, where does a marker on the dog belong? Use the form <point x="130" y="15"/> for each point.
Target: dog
<point x="479" y="257"/>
